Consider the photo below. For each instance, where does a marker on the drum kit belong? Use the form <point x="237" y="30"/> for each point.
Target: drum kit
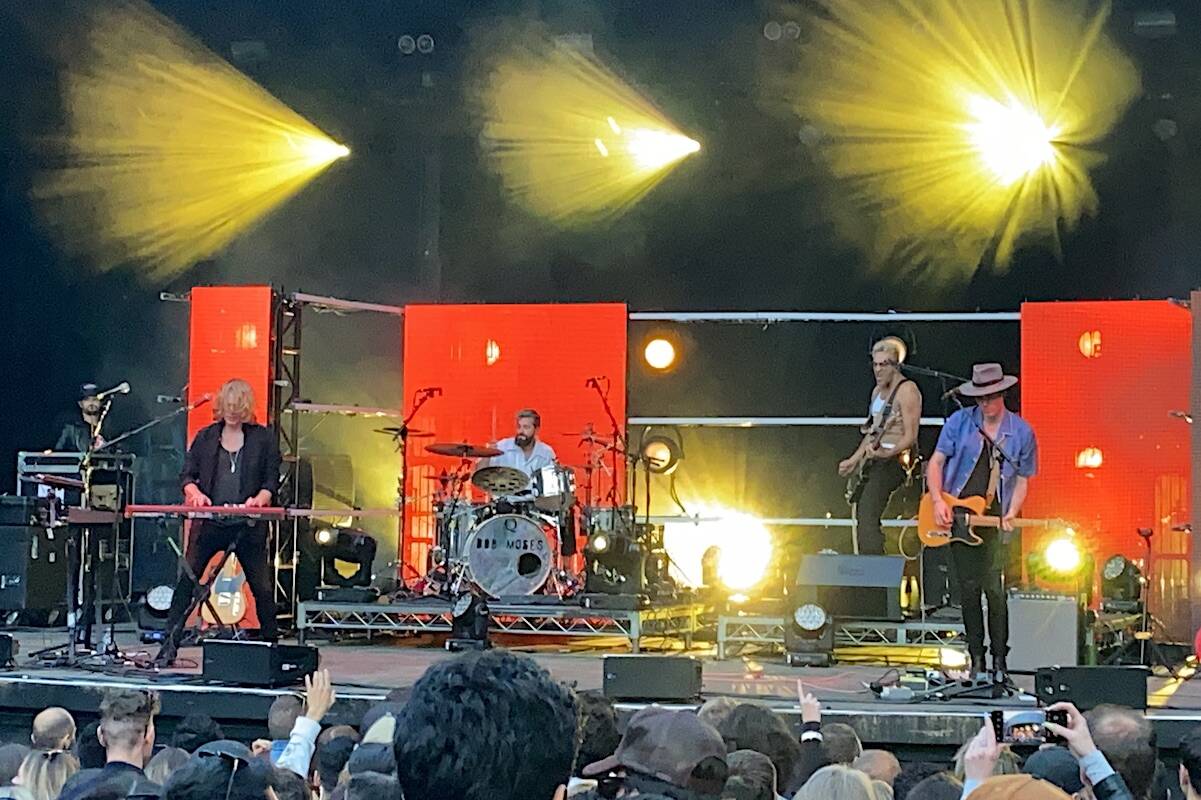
<point x="513" y="543"/>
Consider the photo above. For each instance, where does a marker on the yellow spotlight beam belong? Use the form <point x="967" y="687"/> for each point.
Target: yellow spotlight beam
<point x="570" y="140"/>
<point x="957" y="128"/>
<point x="167" y="152"/>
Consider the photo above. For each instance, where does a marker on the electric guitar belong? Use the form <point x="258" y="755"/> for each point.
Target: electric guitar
<point x="967" y="514"/>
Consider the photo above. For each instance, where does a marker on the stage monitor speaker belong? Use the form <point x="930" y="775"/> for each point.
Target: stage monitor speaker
<point x="1088" y="687"/>
<point x="652" y="677"/>
<point x="33" y="568"/>
<point x="1044" y="631"/>
<point x="258" y="663"/>
<point x="852" y="586"/>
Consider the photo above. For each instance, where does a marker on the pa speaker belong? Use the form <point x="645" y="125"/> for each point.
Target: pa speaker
<point x="652" y="677"/>
<point x="1088" y="687"/>
<point x="258" y="663"/>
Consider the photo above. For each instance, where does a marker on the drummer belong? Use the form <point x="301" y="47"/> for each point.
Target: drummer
<point x="524" y="450"/>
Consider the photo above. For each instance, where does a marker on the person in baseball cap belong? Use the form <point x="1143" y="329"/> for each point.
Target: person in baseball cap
<point x="668" y="747"/>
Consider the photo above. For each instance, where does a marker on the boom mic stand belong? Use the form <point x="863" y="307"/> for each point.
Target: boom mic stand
<point x="400" y="436"/>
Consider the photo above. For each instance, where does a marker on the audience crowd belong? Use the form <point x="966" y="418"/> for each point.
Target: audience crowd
<point x="494" y="726"/>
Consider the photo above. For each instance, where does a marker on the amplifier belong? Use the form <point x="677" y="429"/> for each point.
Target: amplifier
<point x="33" y="568"/>
<point x="258" y="663"/>
<point x="1044" y="631"/>
<point x="852" y="586"/>
<point x="1089" y="687"/>
<point x="652" y="677"/>
<point x="23" y="510"/>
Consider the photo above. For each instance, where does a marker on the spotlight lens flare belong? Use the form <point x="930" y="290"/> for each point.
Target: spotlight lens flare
<point x="1011" y="140"/>
<point x="1063" y="556"/>
<point x="654" y="150"/>
<point x="744" y="542"/>
<point x="319" y="151"/>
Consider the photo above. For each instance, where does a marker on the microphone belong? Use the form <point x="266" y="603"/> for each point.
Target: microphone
<point x="120" y="388"/>
<point x="594" y="381"/>
<point x="204" y="398"/>
<point x="1184" y="415"/>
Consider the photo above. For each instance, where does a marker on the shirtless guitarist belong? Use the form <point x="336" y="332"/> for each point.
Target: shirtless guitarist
<point x="874" y="469"/>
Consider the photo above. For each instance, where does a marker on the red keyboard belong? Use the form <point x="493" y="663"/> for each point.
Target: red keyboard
<point x="203" y="512"/>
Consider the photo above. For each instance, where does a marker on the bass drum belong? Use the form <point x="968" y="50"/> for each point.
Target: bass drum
<point x="509" y="554"/>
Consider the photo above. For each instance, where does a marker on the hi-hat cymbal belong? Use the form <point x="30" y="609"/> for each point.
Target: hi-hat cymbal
<point x="413" y="432"/>
<point x="462" y="450"/>
<point x="588" y="436"/>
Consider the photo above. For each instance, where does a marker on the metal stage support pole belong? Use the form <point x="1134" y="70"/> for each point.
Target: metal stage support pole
<point x="285" y="386"/>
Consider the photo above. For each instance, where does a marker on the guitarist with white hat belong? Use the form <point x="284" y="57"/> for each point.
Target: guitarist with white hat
<point x="874" y="469"/>
<point x="983" y="451"/>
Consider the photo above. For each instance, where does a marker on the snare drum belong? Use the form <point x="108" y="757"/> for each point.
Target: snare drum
<point x="510" y="554"/>
<point x="554" y="488"/>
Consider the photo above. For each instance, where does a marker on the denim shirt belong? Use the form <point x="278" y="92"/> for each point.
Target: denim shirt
<point x="961" y="442"/>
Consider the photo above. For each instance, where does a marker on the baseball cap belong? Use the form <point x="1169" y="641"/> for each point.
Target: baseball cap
<point x="87" y="390"/>
<point x="1055" y="765"/>
<point x="668" y="745"/>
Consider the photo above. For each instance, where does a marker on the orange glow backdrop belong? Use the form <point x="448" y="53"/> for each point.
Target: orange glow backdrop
<point x="1098" y="382"/>
<point x="493" y="360"/>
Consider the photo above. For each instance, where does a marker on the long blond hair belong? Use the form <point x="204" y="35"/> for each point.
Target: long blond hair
<point x="234" y="395"/>
<point x="44" y="772"/>
<point x="837" y="782"/>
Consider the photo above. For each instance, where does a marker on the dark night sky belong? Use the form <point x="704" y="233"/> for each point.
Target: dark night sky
<point x="740" y="227"/>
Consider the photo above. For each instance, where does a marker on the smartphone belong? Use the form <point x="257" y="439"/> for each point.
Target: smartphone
<point x="1026" y="725"/>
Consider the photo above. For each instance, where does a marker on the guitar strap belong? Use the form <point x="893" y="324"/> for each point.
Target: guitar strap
<point x="885" y="411"/>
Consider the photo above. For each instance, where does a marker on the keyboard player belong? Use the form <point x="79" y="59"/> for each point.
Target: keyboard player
<point x="234" y="461"/>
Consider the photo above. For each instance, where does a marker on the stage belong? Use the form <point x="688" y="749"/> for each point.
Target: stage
<point x="366" y="672"/>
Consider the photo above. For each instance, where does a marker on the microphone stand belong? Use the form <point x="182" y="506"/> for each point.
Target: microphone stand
<point x="619" y="441"/>
<point x="401" y="438"/>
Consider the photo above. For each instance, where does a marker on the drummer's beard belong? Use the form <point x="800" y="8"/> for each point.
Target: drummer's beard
<point x="521" y="440"/>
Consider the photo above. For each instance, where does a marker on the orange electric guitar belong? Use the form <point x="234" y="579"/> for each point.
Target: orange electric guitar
<point x="967" y="514"/>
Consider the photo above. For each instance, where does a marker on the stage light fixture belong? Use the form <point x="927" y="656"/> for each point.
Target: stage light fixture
<point x="1089" y="458"/>
<point x="598" y="543"/>
<point x="660" y="354"/>
<point x="1062" y="556"/>
<point x="425" y="44"/>
<point x="1089" y="344"/>
<point x="407" y="45"/>
<point x="808" y="635"/>
<point x="348" y="545"/>
<point x="159" y="598"/>
<point x="661" y="454"/>
<point x="1121" y="583"/>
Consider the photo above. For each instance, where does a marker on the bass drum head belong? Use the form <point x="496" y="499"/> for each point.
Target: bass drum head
<point x="509" y="554"/>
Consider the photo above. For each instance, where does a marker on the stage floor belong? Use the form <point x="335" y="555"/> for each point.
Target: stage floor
<point x="365" y="671"/>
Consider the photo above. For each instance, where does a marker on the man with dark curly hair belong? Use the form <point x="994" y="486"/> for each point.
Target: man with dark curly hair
<point x="491" y="725"/>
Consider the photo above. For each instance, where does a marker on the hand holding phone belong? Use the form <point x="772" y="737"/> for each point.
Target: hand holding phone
<point x="1028" y="725"/>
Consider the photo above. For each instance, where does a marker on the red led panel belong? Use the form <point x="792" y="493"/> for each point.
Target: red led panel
<point x="491" y="361"/>
<point x="230" y="337"/>
<point x="1098" y="382"/>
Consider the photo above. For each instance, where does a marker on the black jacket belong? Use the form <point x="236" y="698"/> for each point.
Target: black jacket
<point x="260" y="460"/>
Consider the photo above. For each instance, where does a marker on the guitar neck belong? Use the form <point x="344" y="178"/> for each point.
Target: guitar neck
<point x="995" y="522"/>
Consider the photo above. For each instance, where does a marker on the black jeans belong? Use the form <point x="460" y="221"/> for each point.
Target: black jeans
<point x="205" y="541"/>
<point x="978" y="570"/>
<point x="883" y="478"/>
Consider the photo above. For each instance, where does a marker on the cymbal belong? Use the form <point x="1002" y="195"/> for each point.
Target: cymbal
<point x="500" y="480"/>
<point x="589" y="436"/>
<point x="463" y="450"/>
<point x="413" y="432"/>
